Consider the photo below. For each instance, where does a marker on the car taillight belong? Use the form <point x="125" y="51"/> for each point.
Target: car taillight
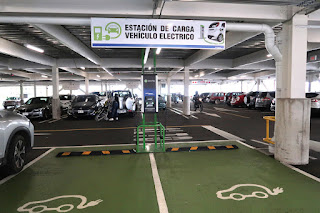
<point x="266" y="99"/>
<point x="314" y="100"/>
<point x="238" y="98"/>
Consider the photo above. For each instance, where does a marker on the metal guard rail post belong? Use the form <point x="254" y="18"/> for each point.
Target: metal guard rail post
<point x="268" y="119"/>
<point x="162" y="135"/>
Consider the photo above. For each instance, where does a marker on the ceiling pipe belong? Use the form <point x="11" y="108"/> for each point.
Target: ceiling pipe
<point x="268" y="32"/>
<point x="45" y="20"/>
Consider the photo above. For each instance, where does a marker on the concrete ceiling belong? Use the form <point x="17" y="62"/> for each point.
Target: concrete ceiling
<point x="68" y="45"/>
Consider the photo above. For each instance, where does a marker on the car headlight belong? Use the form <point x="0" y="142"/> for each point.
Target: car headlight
<point x="93" y="107"/>
<point x="38" y="110"/>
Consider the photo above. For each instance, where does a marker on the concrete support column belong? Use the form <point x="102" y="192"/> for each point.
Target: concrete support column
<point x="309" y="79"/>
<point x="21" y="93"/>
<point x="241" y="82"/>
<point x="101" y="86"/>
<point x="258" y="84"/>
<point x="71" y="92"/>
<point x="56" y="113"/>
<point x="86" y="82"/>
<point x="168" y="92"/>
<point x="47" y="92"/>
<point x="35" y="89"/>
<point x="186" y="98"/>
<point x="292" y="127"/>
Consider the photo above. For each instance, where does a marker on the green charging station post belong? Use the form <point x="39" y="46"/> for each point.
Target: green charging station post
<point x="150" y="106"/>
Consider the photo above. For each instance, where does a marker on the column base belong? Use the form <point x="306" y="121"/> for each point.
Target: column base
<point x="292" y="131"/>
<point x="169" y="101"/>
<point x="56" y="111"/>
<point x="186" y="105"/>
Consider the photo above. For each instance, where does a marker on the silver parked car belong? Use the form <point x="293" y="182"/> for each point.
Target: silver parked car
<point x="16" y="139"/>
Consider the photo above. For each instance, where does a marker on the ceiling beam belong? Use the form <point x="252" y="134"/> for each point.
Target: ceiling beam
<point x="252" y="58"/>
<point x="69" y="40"/>
<point x="224" y="11"/>
<point x="15" y="50"/>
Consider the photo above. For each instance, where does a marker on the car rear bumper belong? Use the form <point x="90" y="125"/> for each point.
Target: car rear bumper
<point x="79" y="113"/>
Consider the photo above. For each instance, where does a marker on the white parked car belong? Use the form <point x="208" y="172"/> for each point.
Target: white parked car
<point x="127" y="102"/>
<point x="216" y="31"/>
<point x="16" y="139"/>
<point x="65" y="101"/>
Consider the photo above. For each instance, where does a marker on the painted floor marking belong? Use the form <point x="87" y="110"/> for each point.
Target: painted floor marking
<point x="257" y="194"/>
<point x="312" y="158"/>
<point x="211" y="114"/>
<point x="27" y="166"/>
<point x="264" y="143"/>
<point x="45" y="121"/>
<point x="179" y="113"/>
<point x="224" y="109"/>
<point x="228" y="113"/>
<point x="191" y="112"/>
<point x="314" y="145"/>
<point x="131" y="144"/>
<point x="163" y="208"/>
<point x="29" y="207"/>
<point x="175" y="134"/>
<point x="41" y="134"/>
<point x="222" y="133"/>
<point x="55" y="120"/>
<point x="289" y="166"/>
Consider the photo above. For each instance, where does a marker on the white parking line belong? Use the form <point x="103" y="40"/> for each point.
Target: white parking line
<point x="45" y="121"/>
<point x="163" y="208"/>
<point x="180" y="111"/>
<point x="222" y="133"/>
<point x="225" y="110"/>
<point x="41" y="134"/>
<point x="54" y="121"/>
<point x="26" y="166"/>
<point x="211" y="114"/>
<point x="179" y="114"/>
<point x="264" y="143"/>
<point x="289" y="166"/>
<point x="312" y="158"/>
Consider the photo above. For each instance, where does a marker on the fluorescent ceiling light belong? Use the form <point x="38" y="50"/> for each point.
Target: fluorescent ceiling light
<point x="119" y="79"/>
<point x="107" y="71"/>
<point x="146" y="55"/>
<point x="98" y="76"/>
<point x="158" y="51"/>
<point x="34" y="48"/>
<point x="149" y="68"/>
<point x="196" y="76"/>
<point x="269" y="55"/>
<point x="9" y="68"/>
<point x="83" y="68"/>
<point x="44" y="76"/>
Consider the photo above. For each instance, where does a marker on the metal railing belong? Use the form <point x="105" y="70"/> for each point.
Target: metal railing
<point x="162" y="136"/>
<point x="268" y="119"/>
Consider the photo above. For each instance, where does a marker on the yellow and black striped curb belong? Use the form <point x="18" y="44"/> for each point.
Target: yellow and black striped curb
<point x="131" y="151"/>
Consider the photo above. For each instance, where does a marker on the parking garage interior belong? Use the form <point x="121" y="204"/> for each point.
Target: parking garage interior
<point x="232" y="124"/>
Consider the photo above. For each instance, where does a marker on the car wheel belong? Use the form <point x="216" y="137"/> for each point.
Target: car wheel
<point x="220" y="38"/>
<point x="132" y="114"/>
<point x="5" y="107"/>
<point x="17" y="154"/>
<point x="217" y="101"/>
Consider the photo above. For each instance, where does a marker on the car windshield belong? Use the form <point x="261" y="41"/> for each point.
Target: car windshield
<point x="311" y="95"/>
<point x="12" y="99"/>
<point x="160" y="98"/>
<point x="85" y="98"/>
<point x="65" y="97"/>
<point x="122" y="93"/>
<point x="37" y="101"/>
<point x="263" y="95"/>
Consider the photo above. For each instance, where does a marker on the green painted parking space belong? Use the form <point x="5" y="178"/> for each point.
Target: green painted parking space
<point x="190" y="182"/>
<point x="223" y="181"/>
<point x="123" y="183"/>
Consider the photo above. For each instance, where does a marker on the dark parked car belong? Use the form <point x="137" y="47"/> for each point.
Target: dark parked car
<point x="264" y="99"/>
<point x="84" y="105"/>
<point x="39" y="107"/>
<point x="250" y="99"/>
<point x="162" y="104"/>
<point x="12" y="102"/>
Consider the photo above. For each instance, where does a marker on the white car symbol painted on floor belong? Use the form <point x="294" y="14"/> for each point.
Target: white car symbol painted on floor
<point x="257" y="194"/>
<point x="38" y="207"/>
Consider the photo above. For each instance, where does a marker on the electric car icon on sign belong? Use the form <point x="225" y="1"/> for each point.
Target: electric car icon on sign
<point x="215" y="31"/>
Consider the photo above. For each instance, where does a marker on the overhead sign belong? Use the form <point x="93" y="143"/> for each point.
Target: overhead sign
<point x="154" y="33"/>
